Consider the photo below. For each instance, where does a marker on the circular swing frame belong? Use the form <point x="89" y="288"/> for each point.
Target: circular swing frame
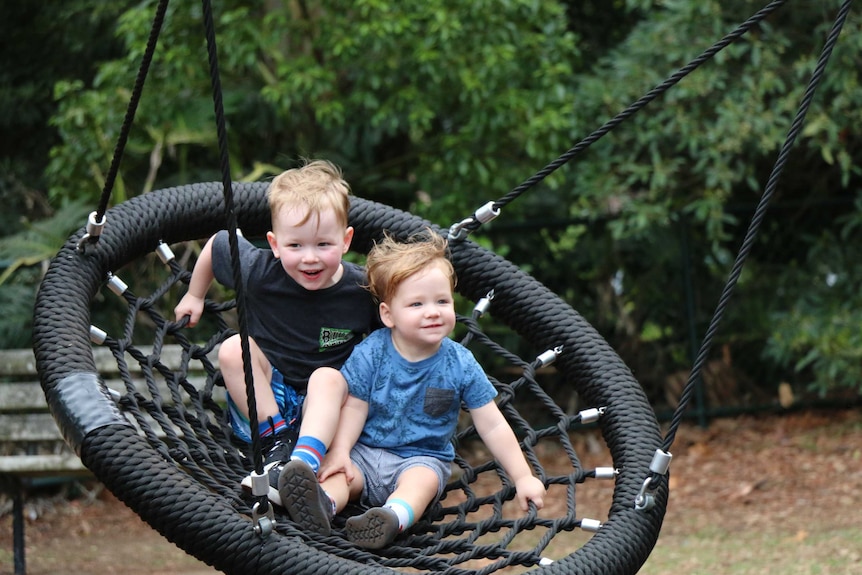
<point x="199" y="521"/>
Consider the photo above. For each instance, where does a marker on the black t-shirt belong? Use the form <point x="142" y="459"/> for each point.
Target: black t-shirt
<point x="297" y="329"/>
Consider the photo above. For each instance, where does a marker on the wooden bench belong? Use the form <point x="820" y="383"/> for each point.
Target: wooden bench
<point x="32" y="449"/>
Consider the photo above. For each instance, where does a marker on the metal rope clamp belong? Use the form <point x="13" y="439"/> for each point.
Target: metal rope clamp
<point x="94" y="230"/>
<point x="264" y="524"/>
<point x="483" y="215"/>
<point x="483" y="304"/>
<point x="659" y="465"/>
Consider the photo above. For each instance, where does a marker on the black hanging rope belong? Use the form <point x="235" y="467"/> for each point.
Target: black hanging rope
<point x="757" y="219"/>
<point x="138" y="89"/>
<point x="631" y="110"/>
<point x="232" y="225"/>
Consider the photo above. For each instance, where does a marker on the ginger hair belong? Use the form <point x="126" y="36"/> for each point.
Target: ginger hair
<point x="391" y="262"/>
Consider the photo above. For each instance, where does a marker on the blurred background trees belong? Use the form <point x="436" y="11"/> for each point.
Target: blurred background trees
<point x="440" y="106"/>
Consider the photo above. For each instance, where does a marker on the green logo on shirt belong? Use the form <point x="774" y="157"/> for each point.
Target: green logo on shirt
<point x="332" y="337"/>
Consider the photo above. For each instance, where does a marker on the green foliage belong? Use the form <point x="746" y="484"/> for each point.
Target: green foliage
<point x="428" y="105"/>
<point x="439" y="106"/>
<point x="25" y="256"/>
<point x="818" y="335"/>
<point x="40" y="44"/>
<point x="686" y="164"/>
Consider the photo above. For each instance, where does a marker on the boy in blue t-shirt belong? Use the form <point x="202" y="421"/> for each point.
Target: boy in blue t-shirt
<point x="392" y="450"/>
<point x="306" y="308"/>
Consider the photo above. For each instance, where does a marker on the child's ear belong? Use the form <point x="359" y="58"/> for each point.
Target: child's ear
<point x="273" y="243"/>
<point x="348" y="237"/>
<point x="386" y="315"/>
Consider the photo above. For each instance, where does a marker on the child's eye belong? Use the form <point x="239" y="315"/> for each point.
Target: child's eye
<point x="416" y="304"/>
<point x="442" y="302"/>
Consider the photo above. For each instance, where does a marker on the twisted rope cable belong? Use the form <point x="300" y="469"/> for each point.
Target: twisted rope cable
<point x="631" y="110"/>
<point x="756" y="221"/>
<point x="131" y="110"/>
<point x="233" y="242"/>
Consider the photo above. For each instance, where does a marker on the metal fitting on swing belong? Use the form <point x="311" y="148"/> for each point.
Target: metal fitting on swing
<point x="94" y="230"/>
<point x="259" y="484"/>
<point x="659" y="465"/>
<point x="456" y="229"/>
<point x="97" y="336"/>
<point x="550" y="356"/>
<point x="483" y="215"/>
<point x="487" y="213"/>
<point x="116" y="285"/>
<point x="591" y="525"/>
<point x="591" y="415"/>
<point x="165" y="253"/>
<point x="606" y="472"/>
<point x="483" y="304"/>
<point x="264" y="524"/>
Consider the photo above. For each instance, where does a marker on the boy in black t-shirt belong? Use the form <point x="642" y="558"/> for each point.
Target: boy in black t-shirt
<point x="306" y="309"/>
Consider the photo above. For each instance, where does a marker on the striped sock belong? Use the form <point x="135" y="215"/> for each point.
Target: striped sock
<point x="310" y="450"/>
<point x="271" y="426"/>
<point x="403" y="510"/>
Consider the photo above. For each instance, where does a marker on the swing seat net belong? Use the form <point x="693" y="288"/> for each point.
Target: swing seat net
<point x="160" y="440"/>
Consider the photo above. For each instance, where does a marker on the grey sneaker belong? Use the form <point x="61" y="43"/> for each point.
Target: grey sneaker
<point x="303" y="498"/>
<point x="276" y="452"/>
<point x="278" y="447"/>
<point x="374" y="529"/>
<point x="272" y="471"/>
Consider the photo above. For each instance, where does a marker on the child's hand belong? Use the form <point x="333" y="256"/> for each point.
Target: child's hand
<point x="337" y="462"/>
<point x="191" y="306"/>
<point x="530" y="489"/>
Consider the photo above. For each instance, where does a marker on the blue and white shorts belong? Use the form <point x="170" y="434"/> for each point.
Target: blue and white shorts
<point x="381" y="469"/>
<point x="289" y="403"/>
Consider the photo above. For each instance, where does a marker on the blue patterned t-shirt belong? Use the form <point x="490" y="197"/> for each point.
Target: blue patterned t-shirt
<point x="413" y="407"/>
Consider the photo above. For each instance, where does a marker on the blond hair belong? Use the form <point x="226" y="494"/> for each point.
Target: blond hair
<point x="391" y="262"/>
<point x="315" y="187"/>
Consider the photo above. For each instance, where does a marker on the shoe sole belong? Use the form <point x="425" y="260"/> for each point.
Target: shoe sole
<point x="273" y="494"/>
<point x="374" y="529"/>
<point x="302" y="497"/>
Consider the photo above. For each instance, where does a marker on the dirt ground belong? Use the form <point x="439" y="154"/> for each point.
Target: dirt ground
<point x="797" y="475"/>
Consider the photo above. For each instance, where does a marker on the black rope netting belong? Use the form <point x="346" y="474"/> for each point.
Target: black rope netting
<point x="161" y="443"/>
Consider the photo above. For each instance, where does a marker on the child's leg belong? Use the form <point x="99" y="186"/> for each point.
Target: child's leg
<point x="311" y="504"/>
<point x="233" y="372"/>
<point x="417" y="487"/>
<point x="327" y="392"/>
<point x="272" y="397"/>
<point x="340" y="491"/>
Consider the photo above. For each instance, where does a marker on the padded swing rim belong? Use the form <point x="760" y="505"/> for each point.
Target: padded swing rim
<point x="203" y="524"/>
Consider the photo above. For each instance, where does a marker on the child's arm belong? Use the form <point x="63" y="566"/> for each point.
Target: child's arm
<point x="500" y="439"/>
<point x="192" y="303"/>
<point x="354" y="412"/>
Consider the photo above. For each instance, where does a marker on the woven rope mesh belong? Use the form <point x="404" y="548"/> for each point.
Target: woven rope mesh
<point x="145" y="410"/>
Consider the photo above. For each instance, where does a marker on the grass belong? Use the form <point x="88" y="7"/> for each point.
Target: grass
<point x="723" y="550"/>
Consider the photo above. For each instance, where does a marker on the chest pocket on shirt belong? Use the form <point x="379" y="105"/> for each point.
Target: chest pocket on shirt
<point x="438" y="401"/>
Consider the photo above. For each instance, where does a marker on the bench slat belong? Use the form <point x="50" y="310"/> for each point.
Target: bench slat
<point x="21" y="362"/>
<point x="25" y="419"/>
<point x="28" y="396"/>
<point x="29" y="427"/>
<point x="42" y="465"/>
